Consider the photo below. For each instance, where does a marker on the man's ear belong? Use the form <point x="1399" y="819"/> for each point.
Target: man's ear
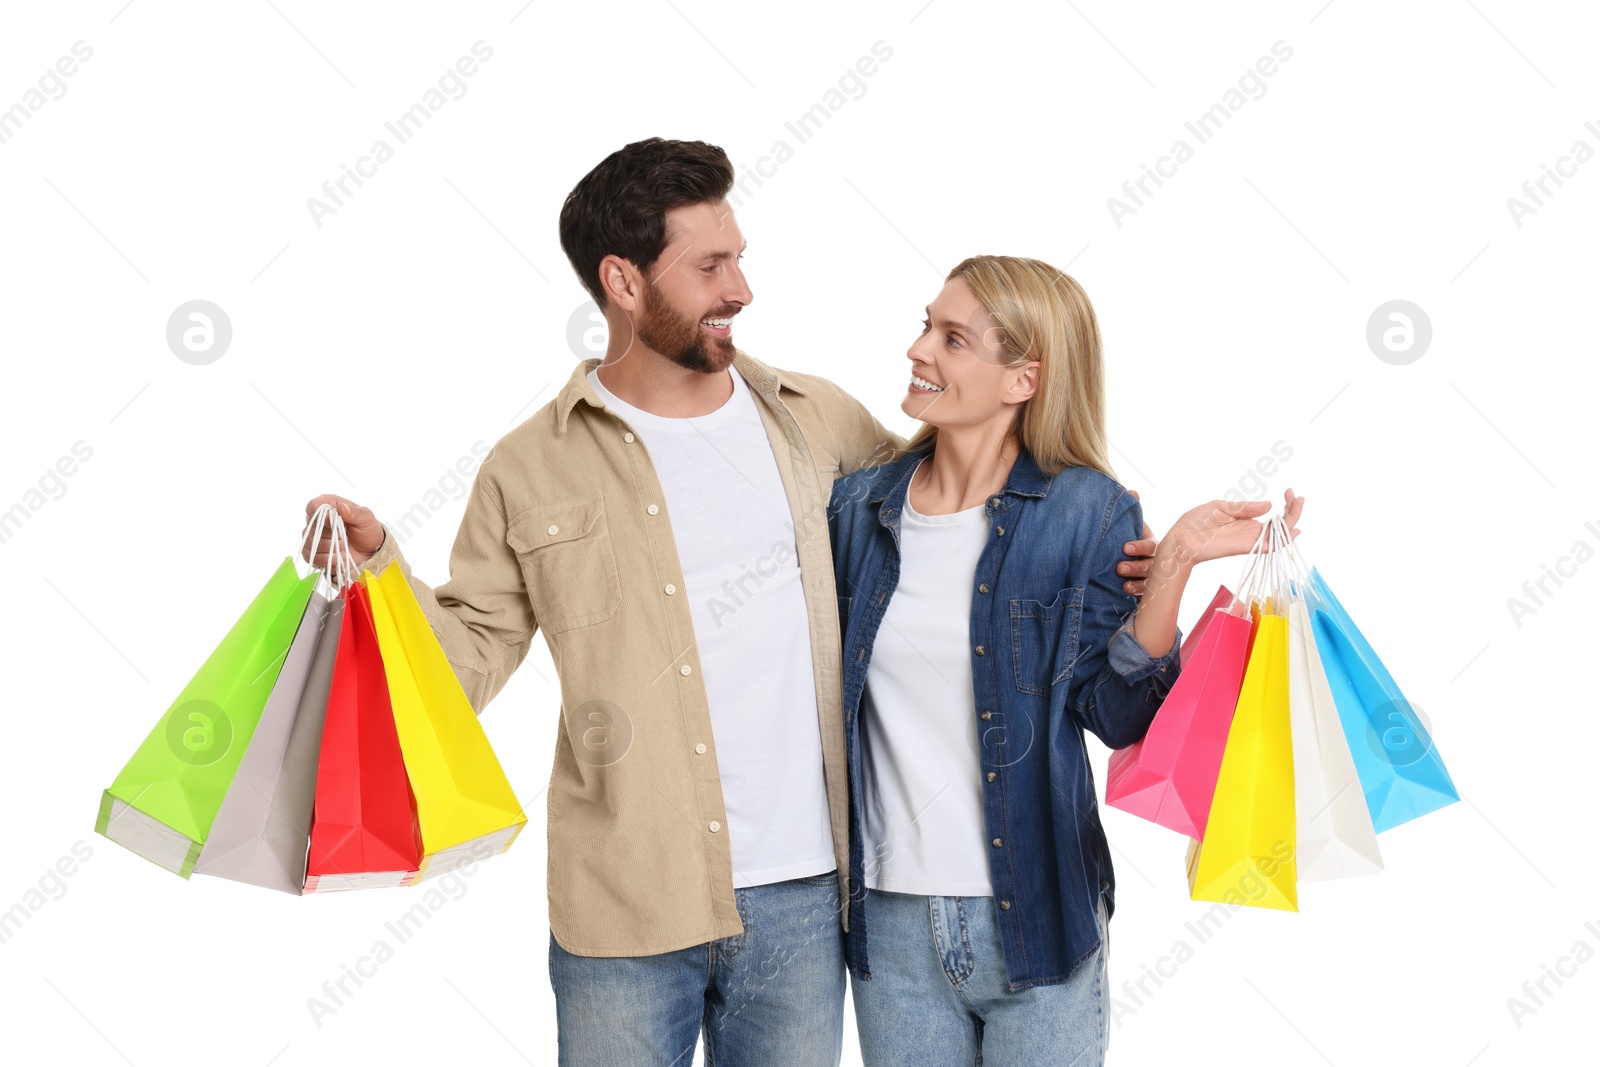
<point x="1026" y="383"/>
<point x="622" y="282"/>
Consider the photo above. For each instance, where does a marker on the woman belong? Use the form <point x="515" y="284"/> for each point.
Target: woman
<point x="984" y="631"/>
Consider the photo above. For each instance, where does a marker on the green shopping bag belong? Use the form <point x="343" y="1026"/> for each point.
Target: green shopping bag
<point x="163" y="803"/>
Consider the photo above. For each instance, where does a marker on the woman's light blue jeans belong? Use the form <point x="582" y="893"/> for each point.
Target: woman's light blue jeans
<point x="938" y="994"/>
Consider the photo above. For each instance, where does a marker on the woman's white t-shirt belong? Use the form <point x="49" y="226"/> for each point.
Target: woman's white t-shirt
<point x="922" y="812"/>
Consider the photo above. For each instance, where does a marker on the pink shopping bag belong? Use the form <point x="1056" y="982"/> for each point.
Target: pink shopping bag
<point x="1169" y="776"/>
<point x="1223" y="598"/>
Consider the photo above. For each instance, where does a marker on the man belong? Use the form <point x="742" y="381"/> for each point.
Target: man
<point x="663" y="521"/>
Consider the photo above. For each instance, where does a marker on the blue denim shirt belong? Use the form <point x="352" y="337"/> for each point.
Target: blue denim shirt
<point x="1051" y="657"/>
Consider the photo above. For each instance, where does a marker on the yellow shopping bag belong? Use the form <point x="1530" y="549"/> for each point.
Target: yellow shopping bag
<point x="1248" y="853"/>
<point x="466" y="809"/>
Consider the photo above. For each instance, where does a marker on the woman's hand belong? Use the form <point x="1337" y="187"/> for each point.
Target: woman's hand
<point x="1210" y="531"/>
<point x="1220" y="528"/>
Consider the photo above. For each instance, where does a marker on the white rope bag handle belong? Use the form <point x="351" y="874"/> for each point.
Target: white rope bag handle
<point x="341" y="568"/>
<point x="1249" y="579"/>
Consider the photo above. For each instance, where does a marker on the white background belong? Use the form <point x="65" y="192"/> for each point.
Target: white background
<point x="431" y="311"/>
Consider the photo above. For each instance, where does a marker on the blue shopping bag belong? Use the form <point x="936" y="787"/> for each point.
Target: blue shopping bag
<point x="1401" y="772"/>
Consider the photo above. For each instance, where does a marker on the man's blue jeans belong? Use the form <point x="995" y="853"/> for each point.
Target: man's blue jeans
<point x="938" y="992"/>
<point x="772" y="996"/>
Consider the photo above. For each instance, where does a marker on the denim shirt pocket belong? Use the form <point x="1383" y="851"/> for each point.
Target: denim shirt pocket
<point x="1044" y="639"/>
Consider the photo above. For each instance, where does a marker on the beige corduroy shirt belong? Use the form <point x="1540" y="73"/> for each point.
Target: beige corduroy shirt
<point x="566" y="531"/>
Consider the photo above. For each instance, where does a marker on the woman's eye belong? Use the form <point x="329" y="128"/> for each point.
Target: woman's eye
<point x="924" y="325"/>
<point x="953" y="341"/>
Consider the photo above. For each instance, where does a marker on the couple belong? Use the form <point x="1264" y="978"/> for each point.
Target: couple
<point x="823" y="689"/>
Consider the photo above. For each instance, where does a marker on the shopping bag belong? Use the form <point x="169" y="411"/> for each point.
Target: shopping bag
<point x="262" y="830"/>
<point x="164" y="801"/>
<point x="1169" y="776"/>
<point x="466" y="809"/>
<point x="363" y="827"/>
<point x="1333" y="826"/>
<point x="1402" y="774"/>
<point x="1334" y="831"/>
<point x="1222" y="599"/>
<point x="1248" y="853"/>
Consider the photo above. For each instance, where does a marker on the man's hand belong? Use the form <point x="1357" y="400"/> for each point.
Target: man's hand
<point x="1136" y="568"/>
<point x="361" y="526"/>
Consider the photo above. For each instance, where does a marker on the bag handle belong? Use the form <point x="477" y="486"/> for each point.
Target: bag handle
<point x="340" y="569"/>
<point x="1299" y="570"/>
<point x="1281" y="594"/>
<point x="1250" y="577"/>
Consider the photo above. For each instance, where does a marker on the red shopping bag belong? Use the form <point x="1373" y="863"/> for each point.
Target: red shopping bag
<point x="364" y="831"/>
<point x="1169" y="776"/>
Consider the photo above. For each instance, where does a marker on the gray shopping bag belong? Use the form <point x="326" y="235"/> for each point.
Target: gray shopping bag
<point x="262" y="829"/>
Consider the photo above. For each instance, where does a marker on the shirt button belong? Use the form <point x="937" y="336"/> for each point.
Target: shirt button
<point x="651" y="510"/>
<point x="994" y="502"/>
<point x="671" y="589"/>
<point x="684" y="670"/>
<point x="628" y="437"/>
<point x="979" y="650"/>
<point x="1005" y="905"/>
<point x="990" y="776"/>
<point x="984" y="715"/>
<point x="999" y="531"/>
<point x="995" y="842"/>
<point x="700" y="749"/>
<point x="715" y="826"/>
<point x="983" y="587"/>
<point x="551" y="529"/>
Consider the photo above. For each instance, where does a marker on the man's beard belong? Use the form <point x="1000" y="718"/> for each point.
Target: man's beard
<point x="666" y="330"/>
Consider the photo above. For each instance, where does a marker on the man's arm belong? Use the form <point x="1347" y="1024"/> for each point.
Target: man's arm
<point x="482" y="616"/>
<point x="863" y="440"/>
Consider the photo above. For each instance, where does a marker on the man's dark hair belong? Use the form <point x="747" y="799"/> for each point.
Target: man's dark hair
<point x="620" y="207"/>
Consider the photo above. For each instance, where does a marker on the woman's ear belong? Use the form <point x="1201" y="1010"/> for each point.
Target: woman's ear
<point x="1024" y="383"/>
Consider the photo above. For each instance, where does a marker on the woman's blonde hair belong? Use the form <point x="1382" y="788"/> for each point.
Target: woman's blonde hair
<point x="1044" y="315"/>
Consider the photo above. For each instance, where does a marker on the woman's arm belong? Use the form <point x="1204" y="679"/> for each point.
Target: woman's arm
<point x="1117" y="685"/>
<point x="1125" y="668"/>
<point x="1210" y="531"/>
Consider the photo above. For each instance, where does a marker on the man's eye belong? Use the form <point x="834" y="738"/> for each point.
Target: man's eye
<point x="953" y="341"/>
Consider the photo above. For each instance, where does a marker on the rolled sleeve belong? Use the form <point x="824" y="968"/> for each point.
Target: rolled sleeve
<point x="1134" y="664"/>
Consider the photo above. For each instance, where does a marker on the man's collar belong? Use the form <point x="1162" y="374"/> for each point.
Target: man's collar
<point x="760" y="377"/>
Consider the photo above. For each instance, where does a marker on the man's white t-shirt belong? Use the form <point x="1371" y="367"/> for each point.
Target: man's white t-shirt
<point x="735" y="536"/>
<point x="922" y="814"/>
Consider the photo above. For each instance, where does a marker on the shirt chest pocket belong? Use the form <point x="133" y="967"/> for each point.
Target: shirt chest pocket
<point x="567" y="563"/>
<point x="1044" y="640"/>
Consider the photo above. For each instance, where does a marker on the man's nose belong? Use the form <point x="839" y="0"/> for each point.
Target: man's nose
<point x="740" y="292"/>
